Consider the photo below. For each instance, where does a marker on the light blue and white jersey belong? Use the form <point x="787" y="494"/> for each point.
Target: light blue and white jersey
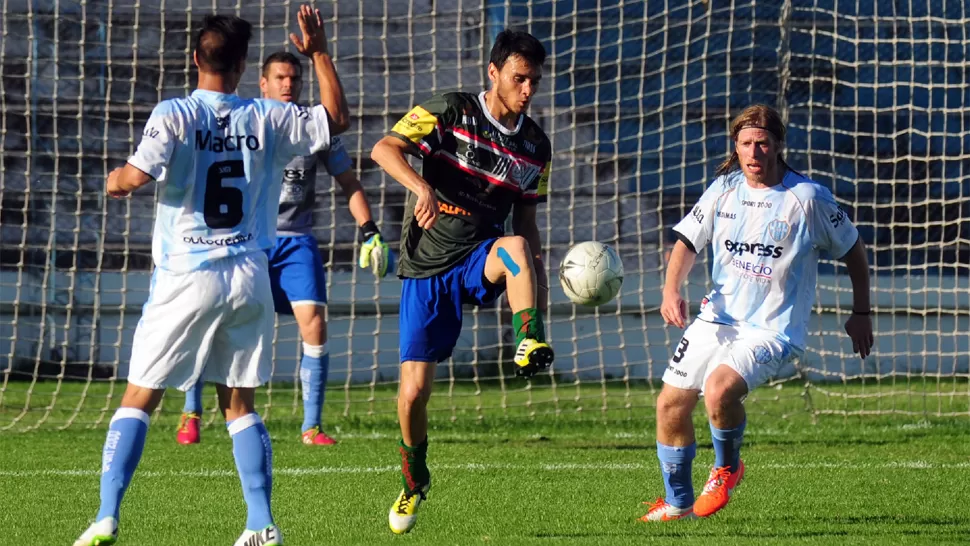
<point x="766" y="247"/>
<point x="218" y="160"/>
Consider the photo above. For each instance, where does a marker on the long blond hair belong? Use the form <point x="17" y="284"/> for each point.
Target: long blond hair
<point x="757" y="115"/>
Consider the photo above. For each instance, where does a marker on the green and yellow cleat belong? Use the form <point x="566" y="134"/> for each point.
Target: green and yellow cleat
<point x="404" y="512"/>
<point x="532" y="357"/>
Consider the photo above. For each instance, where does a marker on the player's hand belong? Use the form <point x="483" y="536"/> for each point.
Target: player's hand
<point x="426" y="209"/>
<point x="314" y="36"/>
<point x="375" y="255"/>
<point x="859" y="328"/>
<point x="673" y="308"/>
<point x="113" y="187"/>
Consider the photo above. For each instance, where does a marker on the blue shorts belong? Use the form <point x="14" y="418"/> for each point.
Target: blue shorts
<point x="430" y="319"/>
<point x="296" y="273"/>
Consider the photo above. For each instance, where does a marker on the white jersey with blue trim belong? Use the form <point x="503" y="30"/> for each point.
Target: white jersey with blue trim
<point x="219" y="160"/>
<point x="766" y="247"/>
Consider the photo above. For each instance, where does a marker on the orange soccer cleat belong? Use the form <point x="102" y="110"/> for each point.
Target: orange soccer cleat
<point x="717" y="491"/>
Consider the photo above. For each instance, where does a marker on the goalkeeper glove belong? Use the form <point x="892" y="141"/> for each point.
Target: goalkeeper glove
<point x="374" y="253"/>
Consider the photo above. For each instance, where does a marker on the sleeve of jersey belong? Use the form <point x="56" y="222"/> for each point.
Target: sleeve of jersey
<point x="157" y="143"/>
<point x="696" y="228"/>
<point x="424" y="126"/>
<point x="538" y="191"/>
<point x="306" y="131"/>
<point x="337" y="159"/>
<point x="832" y="230"/>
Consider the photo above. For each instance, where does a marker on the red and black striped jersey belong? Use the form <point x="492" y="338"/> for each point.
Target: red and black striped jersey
<point x="479" y="170"/>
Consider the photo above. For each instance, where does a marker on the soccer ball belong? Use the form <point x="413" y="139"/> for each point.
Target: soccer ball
<point x="591" y="273"/>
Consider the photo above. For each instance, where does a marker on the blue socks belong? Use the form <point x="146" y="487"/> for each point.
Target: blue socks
<point x="193" y="399"/>
<point x="313" y="375"/>
<point x="727" y="446"/>
<point x="675" y="465"/>
<point x="254" y="460"/>
<point x="122" y="451"/>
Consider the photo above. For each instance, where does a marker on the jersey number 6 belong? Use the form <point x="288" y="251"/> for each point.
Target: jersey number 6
<point x="223" y="206"/>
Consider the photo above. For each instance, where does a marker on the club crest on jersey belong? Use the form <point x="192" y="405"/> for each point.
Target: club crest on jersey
<point x="778" y="230"/>
<point x="762" y="355"/>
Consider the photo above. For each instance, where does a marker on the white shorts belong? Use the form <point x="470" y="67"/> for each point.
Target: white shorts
<point x="755" y="355"/>
<point x="214" y="324"/>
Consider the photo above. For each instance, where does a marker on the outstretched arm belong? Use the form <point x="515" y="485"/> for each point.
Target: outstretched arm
<point x="673" y="308"/>
<point x="314" y="45"/>
<point x="524" y="225"/>
<point x="859" y="325"/>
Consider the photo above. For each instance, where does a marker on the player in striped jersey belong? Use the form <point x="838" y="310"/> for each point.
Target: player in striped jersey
<point x="483" y="158"/>
<point x="295" y="265"/>
<point x="218" y="161"/>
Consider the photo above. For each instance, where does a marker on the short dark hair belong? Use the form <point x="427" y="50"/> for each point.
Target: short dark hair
<point x="515" y="42"/>
<point x="282" y="57"/>
<point x="222" y="43"/>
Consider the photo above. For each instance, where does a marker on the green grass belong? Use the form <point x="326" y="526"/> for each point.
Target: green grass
<point x="519" y="475"/>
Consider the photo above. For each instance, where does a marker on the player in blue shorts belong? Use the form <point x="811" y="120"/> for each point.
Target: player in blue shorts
<point x="483" y="159"/>
<point x="295" y="266"/>
<point x="767" y="226"/>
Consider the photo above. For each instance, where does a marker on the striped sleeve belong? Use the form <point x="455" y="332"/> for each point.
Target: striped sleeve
<point x="425" y="125"/>
<point x="537" y="190"/>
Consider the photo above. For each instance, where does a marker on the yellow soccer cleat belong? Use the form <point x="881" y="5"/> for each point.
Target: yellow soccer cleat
<point x="532" y="357"/>
<point x="404" y="512"/>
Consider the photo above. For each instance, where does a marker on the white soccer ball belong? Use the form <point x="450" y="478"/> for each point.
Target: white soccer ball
<point x="591" y="273"/>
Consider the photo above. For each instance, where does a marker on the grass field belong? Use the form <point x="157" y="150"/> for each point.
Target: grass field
<point x="524" y="476"/>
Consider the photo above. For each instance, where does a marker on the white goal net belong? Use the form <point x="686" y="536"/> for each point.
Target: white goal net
<point x="637" y="98"/>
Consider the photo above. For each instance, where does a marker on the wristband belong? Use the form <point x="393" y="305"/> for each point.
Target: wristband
<point x="369" y="229"/>
<point x="862" y="313"/>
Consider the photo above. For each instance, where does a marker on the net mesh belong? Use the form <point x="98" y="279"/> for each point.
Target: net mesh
<point x="637" y="98"/>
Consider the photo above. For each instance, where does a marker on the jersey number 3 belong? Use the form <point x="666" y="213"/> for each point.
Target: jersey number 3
<point x="223" y="206"/>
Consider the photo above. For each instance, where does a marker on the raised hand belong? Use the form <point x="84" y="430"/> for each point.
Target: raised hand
<point x="314" y="36"/>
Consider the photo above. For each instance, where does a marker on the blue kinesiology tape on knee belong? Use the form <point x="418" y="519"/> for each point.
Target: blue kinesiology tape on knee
<point x="508" y="261"/>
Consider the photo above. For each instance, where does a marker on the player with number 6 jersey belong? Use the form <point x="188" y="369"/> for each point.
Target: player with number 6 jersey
<point x="767" y="226"/>
<point x="218" y="161"/>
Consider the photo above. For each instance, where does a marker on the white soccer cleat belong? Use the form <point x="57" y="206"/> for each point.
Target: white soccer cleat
<point x="269" y="536"/>
<point x="100" y="533"/>
<point x="661" y="511"/>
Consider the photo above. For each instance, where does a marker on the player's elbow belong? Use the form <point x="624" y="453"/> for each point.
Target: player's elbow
<point x="382" y="150"/>
<point x="339" y="123"/>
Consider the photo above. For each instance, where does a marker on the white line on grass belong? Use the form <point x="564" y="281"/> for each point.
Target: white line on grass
<point x="477" y="467"/>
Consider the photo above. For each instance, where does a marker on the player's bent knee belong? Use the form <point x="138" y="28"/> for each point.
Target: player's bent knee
<point x="674" y="406"/>
<point x="516" y="246"/>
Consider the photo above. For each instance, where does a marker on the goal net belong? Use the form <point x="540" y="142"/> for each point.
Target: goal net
<point x="637" y="98"/>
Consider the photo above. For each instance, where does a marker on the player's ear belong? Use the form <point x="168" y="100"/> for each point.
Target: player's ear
<point x="195" y="59"/>
<point x="493" y="73"/>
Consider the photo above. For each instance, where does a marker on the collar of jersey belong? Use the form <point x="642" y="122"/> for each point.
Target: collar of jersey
<point x="499" y="126"/>
<point x="215" y="95"/>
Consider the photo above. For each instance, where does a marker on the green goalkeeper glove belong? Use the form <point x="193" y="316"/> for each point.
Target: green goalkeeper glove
<point x="374" y="252"/>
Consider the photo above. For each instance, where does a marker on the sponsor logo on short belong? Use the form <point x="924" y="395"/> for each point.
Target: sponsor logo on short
<point x="675" y="371"/>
